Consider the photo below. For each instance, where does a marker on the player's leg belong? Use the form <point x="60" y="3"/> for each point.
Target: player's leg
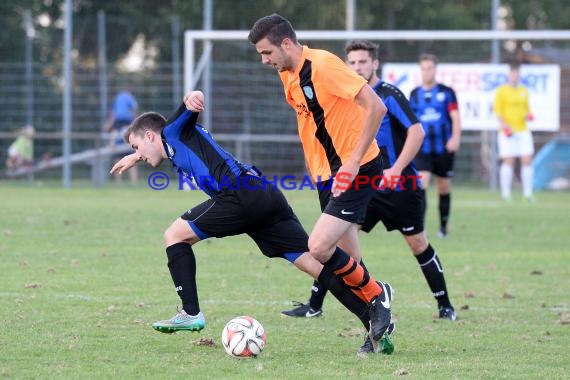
<point x="287" y="239"/>
<point x="218" y="217"/>
<point x="349" y="244"/>
<point x="526" y="147"/>
<point x="443" y="169"/>
<point x="507" y="149"/>
<point x="506" y="177"/>
<point x="444" y="192"/>
<point x="179" y="238"/>
<point x="432" y="270"/>
<point x="424" y="164"/>
<point x="313" y="308"/>
<point x="338" y="218"/>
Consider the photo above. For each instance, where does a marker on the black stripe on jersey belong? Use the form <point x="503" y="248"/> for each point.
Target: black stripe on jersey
<point x="321" y="133"/>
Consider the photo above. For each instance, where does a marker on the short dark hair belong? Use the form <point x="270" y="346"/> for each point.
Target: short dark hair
<point x="148" y="121"/>
<point x="273" y="27"/>
<point x="514" y="66"/>
<point x="369" y="46"/>
<point x="429" y="57"/>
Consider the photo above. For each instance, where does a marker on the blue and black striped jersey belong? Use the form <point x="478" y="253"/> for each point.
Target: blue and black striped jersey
<point x="198" y="157"/>
<point x="394" y="127"/>
<point x="433" y="107"/>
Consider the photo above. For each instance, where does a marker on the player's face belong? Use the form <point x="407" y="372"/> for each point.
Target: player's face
<point x="428" y="72"/>
<point x="514" y="76"/>
<point x="362" y="63"/>
<point x="274" y="55"/>
<point x="149" y="147"/>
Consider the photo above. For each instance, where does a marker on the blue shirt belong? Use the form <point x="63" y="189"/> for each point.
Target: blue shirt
<point x="197" y="157"/>
<point x="124" y="107"/>
<point x="433" y="107"/>
<point x="394" y="129"/>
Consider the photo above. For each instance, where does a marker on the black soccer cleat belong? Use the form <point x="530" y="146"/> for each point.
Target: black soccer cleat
<point x="447" y="313"/>
<point x="380" y="314"/>
<point x="302" y="310"/>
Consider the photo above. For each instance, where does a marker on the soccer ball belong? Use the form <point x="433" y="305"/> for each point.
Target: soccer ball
<point x="243" y="337"/>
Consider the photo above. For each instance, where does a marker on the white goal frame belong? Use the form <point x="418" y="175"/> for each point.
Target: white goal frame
<point x="193" y="72"/>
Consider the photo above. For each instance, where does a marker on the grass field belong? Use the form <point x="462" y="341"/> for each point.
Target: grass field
<point x="84" y="276"/>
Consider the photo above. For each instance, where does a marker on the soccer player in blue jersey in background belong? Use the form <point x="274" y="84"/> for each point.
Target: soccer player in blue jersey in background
<point x="402" y="208"/>
<point x="241" y="202"/>
<point x="436" y="106"/>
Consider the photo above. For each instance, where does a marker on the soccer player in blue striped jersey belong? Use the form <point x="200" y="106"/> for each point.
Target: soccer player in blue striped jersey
<point x="436" y="106"/>
<point x="240" y="202"/>
<point x="399" y="208"/>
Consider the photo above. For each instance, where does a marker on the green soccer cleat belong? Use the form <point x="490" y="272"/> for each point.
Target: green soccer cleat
<point x="181" y="322"/>
<point x="385" y="346"/>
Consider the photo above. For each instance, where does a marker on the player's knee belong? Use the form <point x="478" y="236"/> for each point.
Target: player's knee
<point x="171" y="236"/>
<point x="320" y="250"/>
<point x="418" y="243"/>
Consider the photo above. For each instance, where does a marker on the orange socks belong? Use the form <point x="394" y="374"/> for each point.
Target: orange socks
<point x="359" y="280"/>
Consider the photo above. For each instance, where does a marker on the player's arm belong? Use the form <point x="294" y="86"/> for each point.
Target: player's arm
<point x="125" y="163"/>
<point x="412" y="145"/>
<point x="498" y="107"/>
<point x="400" y="109"/>
<point x="455" y="139"/>
<point x="374" y="112"/>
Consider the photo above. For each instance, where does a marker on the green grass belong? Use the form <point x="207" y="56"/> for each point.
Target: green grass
<point x="84" y="276"/>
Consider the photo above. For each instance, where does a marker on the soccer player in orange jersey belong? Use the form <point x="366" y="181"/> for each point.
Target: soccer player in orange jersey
<point x="338" y="116"/>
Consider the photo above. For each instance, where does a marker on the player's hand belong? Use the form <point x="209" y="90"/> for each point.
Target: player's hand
<point x="125" y="163"/>
<point x="344" y="177"/>
<point x="194" y="101"/>
<point x="392" y="177"/>
<point x="452" y="145"/>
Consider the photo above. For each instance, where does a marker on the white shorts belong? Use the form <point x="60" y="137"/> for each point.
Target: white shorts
<point x="518" y="145"/>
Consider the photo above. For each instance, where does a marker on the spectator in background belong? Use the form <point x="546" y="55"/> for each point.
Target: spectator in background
<point x="21" y="151"/>
<point x="121" y="116"/>
<point x="436" y="106"/>
<point x="515" y="140"/>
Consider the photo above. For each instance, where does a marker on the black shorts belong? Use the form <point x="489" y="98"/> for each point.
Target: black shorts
<point x="439" y="164"/>
<point x="351" y="205"/>
<point x="398" y="210"/>
<point x="263" y="213"/>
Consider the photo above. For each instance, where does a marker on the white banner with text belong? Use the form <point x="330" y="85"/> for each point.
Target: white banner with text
<point x="475" y="86"/>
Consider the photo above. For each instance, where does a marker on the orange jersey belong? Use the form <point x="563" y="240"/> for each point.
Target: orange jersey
<point x="322" y="91"/>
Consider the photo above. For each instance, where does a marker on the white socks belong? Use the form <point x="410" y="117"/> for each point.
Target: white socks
<point x="527" y="178"/>
<point x="506" y="180"/>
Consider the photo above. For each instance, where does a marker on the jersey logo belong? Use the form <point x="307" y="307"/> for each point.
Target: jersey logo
<point x="440" y="97"/>
<point x="308" y="92"/>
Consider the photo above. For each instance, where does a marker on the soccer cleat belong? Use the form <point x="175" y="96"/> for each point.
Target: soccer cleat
<point x="447" y="313"/>
<point x="442" y="233"/>
<point x="302" y="310"/>
<point x="386" y="346"/>
<point x="380" y="314"/>
<point x="181" y="322"/>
